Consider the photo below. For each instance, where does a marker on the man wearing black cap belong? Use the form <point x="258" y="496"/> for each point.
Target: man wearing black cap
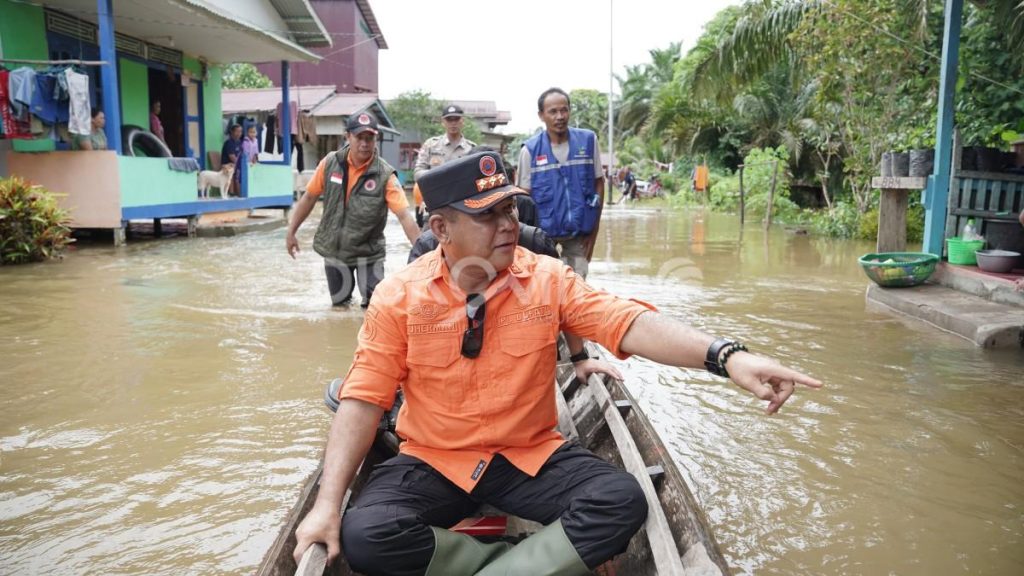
<point x="446" y="147"/>
<point x="469" y="330"/>
<point x="358" y="188"/>
<point x="440" y="149"/>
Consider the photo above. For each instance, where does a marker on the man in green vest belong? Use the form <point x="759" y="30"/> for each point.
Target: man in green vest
<point x="358" y="188"/>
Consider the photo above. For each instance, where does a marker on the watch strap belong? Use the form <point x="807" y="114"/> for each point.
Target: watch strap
<point x="580" y="356"/>
<point x="711" y="359"/>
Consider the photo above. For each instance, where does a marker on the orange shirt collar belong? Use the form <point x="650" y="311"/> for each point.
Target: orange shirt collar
<point x="522" y="261"/>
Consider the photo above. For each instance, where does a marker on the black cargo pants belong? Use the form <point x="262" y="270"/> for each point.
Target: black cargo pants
<point x="387" y="528"/>
<point x="341" y="279"/>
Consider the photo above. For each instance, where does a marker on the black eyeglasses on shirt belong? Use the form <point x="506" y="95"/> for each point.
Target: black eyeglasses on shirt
<point x="473" y="337"/>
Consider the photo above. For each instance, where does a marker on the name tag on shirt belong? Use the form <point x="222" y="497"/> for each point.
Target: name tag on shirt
<point x="336" y="178"/>
<point x="542" y="160"/>
<point x="479" y="470"/>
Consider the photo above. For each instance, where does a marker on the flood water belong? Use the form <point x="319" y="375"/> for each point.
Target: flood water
<point x="160" y="404"/>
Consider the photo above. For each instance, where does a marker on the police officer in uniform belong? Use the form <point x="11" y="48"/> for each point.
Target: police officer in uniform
<point x="440" y="149"/>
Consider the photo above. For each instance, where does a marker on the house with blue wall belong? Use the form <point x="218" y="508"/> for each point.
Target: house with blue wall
<point x="137" y="52"/>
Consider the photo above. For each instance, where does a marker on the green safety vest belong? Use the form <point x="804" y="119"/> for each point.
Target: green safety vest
<point x="352" y="231"/>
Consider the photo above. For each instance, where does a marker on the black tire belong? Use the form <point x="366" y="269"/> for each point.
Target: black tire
<point x="139" y="142"/>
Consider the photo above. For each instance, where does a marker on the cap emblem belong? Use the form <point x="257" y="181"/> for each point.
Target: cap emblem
<point x="488" y="166"/>
<point x="364" y="119"/>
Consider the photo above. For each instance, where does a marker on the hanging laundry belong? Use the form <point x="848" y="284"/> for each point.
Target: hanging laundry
<point x="293" y="120"/>
<point x="78" y="90"/>
<point x="20" y="85"/>
<point x="60" y="87"/>
<point x="269" y="144"/>
<point x="307" y="127"/>
<point x="44" y="106"/>
<point x="12" y="127"/>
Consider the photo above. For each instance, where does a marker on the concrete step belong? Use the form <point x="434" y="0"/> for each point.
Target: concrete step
<point x="985" y="323"/>
<point x="234" y="223"/>
<point x="999" y="288"/>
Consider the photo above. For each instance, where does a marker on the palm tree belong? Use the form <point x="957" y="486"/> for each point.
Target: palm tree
<point x="640" y="85"/>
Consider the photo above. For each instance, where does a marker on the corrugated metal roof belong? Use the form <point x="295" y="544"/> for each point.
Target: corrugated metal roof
<point x="344" y="104"/>
<point x="303" y="22"/>
<point x="483" y="110"/>
<point x="371" y="21"/>
<point x="198" y="28"/>
<point x="267" y="99"/>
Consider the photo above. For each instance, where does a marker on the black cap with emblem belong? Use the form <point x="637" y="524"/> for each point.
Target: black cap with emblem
<point x="451" y="111"/>
<point x="361" y="122"/>
<point x="469" y="184"/>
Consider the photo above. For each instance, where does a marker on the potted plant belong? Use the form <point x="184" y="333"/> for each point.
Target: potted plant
<point x="922" y="152"/>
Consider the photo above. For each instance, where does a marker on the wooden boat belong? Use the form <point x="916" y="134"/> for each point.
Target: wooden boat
<point x="602" y="416"/>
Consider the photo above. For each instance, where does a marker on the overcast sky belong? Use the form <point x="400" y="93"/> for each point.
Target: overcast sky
<point x="510" y="52"/>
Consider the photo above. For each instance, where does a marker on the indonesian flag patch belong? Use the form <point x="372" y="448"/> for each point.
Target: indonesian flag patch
<point x="336" y="178"/>
<point x="542" y="159"/>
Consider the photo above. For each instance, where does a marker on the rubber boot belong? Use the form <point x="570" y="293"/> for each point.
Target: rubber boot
<point x="547" y="553"/>
<point x="458" y="554"/>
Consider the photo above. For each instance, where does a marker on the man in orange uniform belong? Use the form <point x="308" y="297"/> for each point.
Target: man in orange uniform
<point x="470" y="331"/>
<point x="358" y="188"/>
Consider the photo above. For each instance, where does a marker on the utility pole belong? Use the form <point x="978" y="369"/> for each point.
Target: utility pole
<point x="611" y="107"/>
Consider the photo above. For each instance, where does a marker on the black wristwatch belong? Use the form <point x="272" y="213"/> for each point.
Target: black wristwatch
<point x="715" y="351"/>
<point x="580" y="356"/>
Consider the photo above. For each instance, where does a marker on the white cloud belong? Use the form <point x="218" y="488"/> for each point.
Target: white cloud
<point x="510" y="52"/>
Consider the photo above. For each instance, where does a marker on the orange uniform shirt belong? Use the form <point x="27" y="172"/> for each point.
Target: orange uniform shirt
<point x="393" y="193"/>
<point x="417" y="196"/>
<point x="459" y="412"/>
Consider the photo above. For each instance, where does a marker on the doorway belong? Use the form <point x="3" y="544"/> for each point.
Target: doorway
<point x="165" y="86"/>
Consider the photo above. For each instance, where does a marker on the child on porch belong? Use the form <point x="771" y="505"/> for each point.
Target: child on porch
<point x="251" y="145"/>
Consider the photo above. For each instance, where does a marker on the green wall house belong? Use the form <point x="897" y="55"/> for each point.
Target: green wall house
<point x="134" y="92"/>
<point x="133" y="57"/>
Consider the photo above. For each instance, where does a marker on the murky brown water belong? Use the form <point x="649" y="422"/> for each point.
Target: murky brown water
<point x="161" y="405"/>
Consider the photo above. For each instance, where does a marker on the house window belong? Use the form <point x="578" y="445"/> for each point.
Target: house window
<point x="407" y="153"/>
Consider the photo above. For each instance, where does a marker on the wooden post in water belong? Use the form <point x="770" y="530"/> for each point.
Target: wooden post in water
<point x="771" y="197"/>
<point x="892" y="211"/>
<point x="742" y="209"/>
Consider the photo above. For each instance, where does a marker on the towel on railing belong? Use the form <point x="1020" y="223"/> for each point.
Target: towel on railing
<point x="188" y="164"/>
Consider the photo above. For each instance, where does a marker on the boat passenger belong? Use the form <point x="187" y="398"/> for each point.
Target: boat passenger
<point x="469" y="330"/>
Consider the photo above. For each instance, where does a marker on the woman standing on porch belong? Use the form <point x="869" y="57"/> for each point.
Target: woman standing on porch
<point x="155" y="126"/>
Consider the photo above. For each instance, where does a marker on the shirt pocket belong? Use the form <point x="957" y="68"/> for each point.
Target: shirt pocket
<point x="527" y="350"/>
<point x="434" y="362"/>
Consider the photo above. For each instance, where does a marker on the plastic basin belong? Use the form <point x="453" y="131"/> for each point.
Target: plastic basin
<point x="999" y="261"/>
<point x="898" y="269"/>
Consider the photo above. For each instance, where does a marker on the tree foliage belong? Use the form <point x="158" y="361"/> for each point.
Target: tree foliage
<point x="244" y="75"/>
<point x="833" y="82"/>
<point x="417" y="112"/>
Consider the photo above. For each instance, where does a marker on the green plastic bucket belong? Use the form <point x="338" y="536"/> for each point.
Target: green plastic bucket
<point x="963" y="251"/>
